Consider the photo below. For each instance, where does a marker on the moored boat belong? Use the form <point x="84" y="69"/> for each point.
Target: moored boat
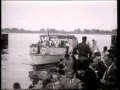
<point x="51" y="48"/>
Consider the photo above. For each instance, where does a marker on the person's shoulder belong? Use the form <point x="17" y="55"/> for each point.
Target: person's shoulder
<point x="77" y="80"/>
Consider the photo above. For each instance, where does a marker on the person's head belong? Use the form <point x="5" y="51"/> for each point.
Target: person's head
<point x="53" y="70"/>
<point x="61" y="59"/>
<point x="43" y="75"/>
<point x="105" y="48"/>
<point x="108" y="59"/>
<point x="94" y="42"/>
<point x="110" y="51"/>
<point x="97" y="57"/>
<point x="39" y="84"/>
<point x="57" y="84"/>
<point x="54" y="77"/>
<point x="84" y="39"/>
<point x="16" y="85"/>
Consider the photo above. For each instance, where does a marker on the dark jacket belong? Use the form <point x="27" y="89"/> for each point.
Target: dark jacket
<point x="83" y="50"/>
<point x="89" y="79"/>
<point x="110" y="77"/>
<point x="101" y="69"/>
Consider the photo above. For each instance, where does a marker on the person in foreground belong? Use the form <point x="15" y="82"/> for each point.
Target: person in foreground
<point x="109" y="78"/>
<point x="70" y="82"/>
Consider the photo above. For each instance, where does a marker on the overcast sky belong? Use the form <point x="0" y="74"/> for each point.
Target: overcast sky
<point x="67" y="15"/>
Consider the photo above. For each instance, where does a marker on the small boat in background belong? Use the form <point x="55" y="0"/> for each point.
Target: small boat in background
<point x="51" y="48"/>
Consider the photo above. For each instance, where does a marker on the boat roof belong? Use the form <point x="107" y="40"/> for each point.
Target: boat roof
<point x="60" y="36"/>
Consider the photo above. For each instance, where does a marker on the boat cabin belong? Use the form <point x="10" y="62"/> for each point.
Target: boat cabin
<point x="53" y="44"/>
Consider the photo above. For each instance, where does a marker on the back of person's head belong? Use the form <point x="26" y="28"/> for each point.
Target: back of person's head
<point x="61" y="59"/>
<point x="16" y="85"/>
<point x="110" y="50"/>
<point x="84" y="39"/>
<point x="105" y="48"/>
<point x="53" y="70"/>
<point x="97" y="54"/>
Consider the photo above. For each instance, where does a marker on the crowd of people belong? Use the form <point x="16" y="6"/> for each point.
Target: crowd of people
<point x="86" y="68"/>
<point x="49" y="42"/>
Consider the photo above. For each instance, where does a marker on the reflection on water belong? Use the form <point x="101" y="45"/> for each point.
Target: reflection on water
<point x="16" y="64"/>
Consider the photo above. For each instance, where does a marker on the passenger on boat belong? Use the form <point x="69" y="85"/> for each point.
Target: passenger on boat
<point x="63" y="44"/>
<point x="52" y="44"/>
<point x="83" y="49"/>
<point x="39" y="45"/>
<point x="16" y="86"/>
<point x="109" y="78"/>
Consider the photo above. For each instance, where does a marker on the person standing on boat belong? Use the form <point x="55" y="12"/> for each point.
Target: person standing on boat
<point x="39" y="45"/>
<point x="83" y="49"/>
<point x="67" y="47"/>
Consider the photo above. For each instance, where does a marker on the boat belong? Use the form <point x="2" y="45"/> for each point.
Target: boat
<point x="51" y="48"/>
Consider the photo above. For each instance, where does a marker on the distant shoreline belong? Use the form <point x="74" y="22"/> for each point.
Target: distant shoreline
<point x="56" y="33"/>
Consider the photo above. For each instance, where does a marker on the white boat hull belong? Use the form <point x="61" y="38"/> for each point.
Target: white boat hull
<point x="46" y="59"/>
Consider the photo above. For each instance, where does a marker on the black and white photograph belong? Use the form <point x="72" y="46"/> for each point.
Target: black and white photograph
<point x="59" y="45"/>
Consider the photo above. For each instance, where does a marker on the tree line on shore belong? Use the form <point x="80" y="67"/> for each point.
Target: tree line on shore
<point x="52" y="30"/>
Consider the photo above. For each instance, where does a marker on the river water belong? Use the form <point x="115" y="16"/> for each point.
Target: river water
<point x="16" y="64"/>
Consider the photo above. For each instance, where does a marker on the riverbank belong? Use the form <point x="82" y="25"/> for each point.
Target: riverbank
<point x="58" y="33"/>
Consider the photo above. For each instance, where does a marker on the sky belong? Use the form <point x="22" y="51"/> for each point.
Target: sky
<point x="61" y="15"/>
